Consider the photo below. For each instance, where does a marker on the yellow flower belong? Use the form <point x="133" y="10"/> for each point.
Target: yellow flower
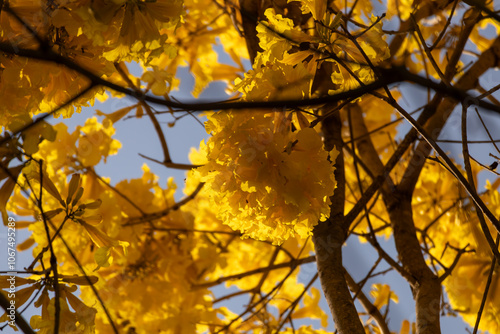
<point x="268" y="182"/>
<point x="96" y="142"/>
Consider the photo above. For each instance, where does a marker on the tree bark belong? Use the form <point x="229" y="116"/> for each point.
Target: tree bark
<point x="427" y="289"/>
<point x="328" y="238"/>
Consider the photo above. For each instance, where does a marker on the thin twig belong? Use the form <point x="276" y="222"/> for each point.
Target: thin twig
<point x="292" y="264"/>
<point x="486" y="290"/>
<point x="472" y="189"/>
<point x="447" y="24"/>
<point x="449" y="271"/>
<point x="187" y="230"/>
<point x="372" y="310"/>
<point x="294" y="304"/>
<point x="46" y="248"/>
<point x="171" y="164"/>
<point x="428" y="52"/>
<point x="156" y="215"/>
<point x="47" y="115"/>
<point x="231" y="295"/>
<point x="487" y="131"/>
<point x="154" y="120"/>
<point x="118" y="192"/>
<point x="452" y="141"/>
<point x="53" y="259"/>
<point x="264" y="300"/>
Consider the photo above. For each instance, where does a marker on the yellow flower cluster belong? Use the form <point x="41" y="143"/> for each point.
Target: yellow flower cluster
<point x="268" y="182"/>
<point x="93" y="34"/>
<point x="206" y="27"/>
<point x="243" y="255"/>
<point x="165" y="259"/>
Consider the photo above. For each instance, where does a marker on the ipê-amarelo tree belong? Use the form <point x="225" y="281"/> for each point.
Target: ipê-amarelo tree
<point x="306" y="154"/>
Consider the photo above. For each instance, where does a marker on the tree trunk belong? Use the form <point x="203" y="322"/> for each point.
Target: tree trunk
<point x="328" y="238"/>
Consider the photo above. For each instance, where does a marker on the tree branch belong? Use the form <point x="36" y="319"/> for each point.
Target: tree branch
<point x="19" y="320"/>
<point x="371" y="309"/>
